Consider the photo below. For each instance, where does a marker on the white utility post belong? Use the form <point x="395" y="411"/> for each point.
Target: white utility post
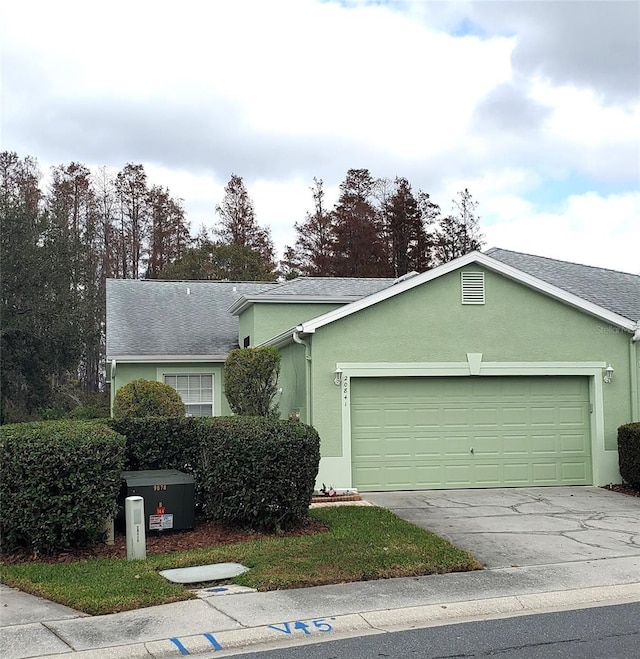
<point x="134" y="517"/>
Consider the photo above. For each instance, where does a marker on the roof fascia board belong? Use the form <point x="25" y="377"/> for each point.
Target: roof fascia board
<point x="163" y="359"/>
<point x="482" y="259"/>
<point x="281" y="339"/>
<point x="245" y="302"/>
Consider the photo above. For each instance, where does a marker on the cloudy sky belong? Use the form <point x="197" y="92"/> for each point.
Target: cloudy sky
<point x="533" y="106"/>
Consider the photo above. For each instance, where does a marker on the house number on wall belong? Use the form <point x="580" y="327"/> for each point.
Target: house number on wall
<point x="345" y="389"/>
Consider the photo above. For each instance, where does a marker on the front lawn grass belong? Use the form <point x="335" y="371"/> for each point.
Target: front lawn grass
<point x="363" y="543"/>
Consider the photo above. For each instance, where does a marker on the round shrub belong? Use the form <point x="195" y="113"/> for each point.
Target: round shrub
<point x="142" y="398"/>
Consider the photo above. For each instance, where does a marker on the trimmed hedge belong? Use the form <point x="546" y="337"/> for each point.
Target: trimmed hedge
<point x="164" y="443"/>
<point x="143" y="398"/>
<point x="60" y="481"/>
<point x="629" y="453"/>
<point x="259" y="473"/>
<point x="252" y="472"/>
<point x="160" y="442"/>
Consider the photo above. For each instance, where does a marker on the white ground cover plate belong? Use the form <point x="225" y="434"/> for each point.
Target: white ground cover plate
<point x="203" y="573"/>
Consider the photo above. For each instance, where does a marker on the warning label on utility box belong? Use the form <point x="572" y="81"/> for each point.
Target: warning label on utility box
<point x="160" y="522"/>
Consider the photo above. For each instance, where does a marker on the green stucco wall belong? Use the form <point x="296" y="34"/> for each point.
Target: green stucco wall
<point x="429" y="324"/>
<point x="264" y="320"/>
<point x="246" y="326"/>
<point x="292" y="381"/>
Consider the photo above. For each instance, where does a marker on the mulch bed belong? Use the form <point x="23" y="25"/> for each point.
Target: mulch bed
<point x="335" y="498"/>
<point x="205" y="534"/>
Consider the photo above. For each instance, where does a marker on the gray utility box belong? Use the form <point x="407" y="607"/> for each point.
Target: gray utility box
<point x="168" y="497"/>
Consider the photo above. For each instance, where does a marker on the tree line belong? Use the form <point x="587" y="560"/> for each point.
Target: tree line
<point x="59" y="246"/>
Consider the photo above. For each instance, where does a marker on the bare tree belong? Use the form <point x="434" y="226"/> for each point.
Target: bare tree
<point x="459" y="234"/>
<point x="313" y="251"/>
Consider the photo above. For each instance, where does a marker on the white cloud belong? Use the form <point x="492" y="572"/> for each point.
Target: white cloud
<point x="591" y="229"/>
<point x="503" y="98"/>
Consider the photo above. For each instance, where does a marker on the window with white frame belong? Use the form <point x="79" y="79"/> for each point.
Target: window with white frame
<point x="196" y="391"/>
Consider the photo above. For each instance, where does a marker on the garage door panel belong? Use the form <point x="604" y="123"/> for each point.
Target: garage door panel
<point x="575" y="472"/>
<point x="485" y="417"/>
<point x="544" y="444"/>
<point x="417" y="433"/>
<point x="515" y="416"/>
<point x="572" y="443"/>
<point x="513" y="445"/>
<point x="488" y="445"/>
<point x="516" y="474"/>
<point x="545" y="473"/>
<point x="572" y="415"/>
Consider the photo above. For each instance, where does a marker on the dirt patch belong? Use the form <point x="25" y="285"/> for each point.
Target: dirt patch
<point x="205" y="534"/>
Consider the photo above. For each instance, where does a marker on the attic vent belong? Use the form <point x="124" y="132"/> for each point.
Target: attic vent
<point x="472" y="287"/>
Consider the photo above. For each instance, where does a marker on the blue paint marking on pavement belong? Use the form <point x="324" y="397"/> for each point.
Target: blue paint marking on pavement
<point x="176" y="642"/>
<point x="214" y="641"/>
<point x="217" y="589"/>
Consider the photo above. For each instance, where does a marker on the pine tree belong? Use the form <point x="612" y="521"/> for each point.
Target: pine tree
<point x="132" y="192"/>
<point x="169" y="231"/>
<point x="26" y="358"/>
<point x="405" y="231"/>
<point x="359" y="249"/>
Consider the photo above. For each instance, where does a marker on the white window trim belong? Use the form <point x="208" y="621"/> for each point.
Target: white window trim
<point x="197" y="370"/>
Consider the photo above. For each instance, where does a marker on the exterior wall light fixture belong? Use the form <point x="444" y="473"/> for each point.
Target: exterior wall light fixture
<point x="608" y="374"/>
<point x="338" y="377"/>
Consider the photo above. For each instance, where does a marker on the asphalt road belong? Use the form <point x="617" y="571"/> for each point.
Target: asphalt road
<point x="609" y="632"/>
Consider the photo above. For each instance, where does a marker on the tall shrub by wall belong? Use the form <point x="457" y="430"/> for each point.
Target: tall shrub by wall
<point x="59" y="485"/>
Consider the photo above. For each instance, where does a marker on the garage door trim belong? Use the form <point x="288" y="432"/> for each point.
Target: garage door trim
<point x="604" y="463"/>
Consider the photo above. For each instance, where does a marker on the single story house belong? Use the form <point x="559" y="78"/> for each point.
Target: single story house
<point x="496" y="369"/>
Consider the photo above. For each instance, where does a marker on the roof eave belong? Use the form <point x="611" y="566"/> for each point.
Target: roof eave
<point x="245" y="302"/>
<point x="282" y="339"/>
<point x="162" y="359"/>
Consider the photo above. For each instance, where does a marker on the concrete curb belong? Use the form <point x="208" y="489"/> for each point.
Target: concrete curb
<point x="372" y="622"/>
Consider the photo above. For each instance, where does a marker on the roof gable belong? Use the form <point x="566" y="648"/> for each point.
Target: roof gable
<point x="488" y="262"/>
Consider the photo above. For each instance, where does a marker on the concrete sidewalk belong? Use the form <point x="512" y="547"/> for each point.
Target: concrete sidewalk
<point x="226" y="622"/>
<point x="32" y="627"/>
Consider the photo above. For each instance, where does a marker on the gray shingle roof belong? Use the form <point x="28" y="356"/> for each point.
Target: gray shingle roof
<point x="615" y="291"/>
<point x="330" y="287"/>
<point x="155" y="318"/>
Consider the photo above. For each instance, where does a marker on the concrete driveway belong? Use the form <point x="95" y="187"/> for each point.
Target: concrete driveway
<point x="517" y="527"/>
